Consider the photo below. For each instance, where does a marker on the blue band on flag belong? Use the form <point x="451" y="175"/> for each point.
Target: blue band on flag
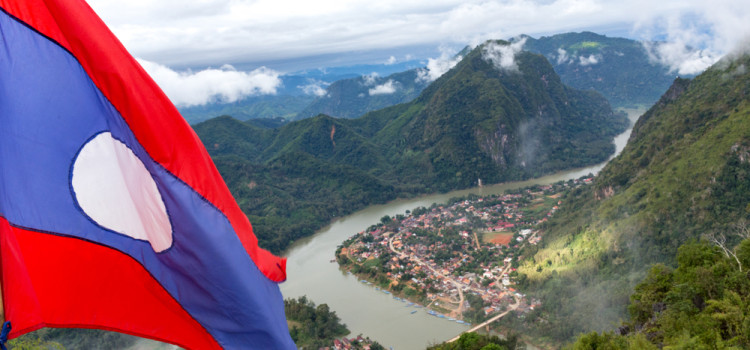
<point x="58" y="109"/>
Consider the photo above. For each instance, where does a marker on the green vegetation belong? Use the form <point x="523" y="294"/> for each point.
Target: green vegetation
<point x="684" y="173"/>
<point x="267" y="106"/>
<point x="586" y="45"/>
<point x="315" y="327"/>
<point x="704" y="303"/>
<point x="474" y="341"/>
<point x="623" y="73"/>
<point x="475" y="122"/>
<point x="27" y="342"/>
<point x="72" y="338"/>
<point x="619" y="69"/>
<point x="351" y="98"/>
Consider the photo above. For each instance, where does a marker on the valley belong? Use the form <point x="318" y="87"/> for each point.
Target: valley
<point x="359" y="175"/>
<point x="477" y="121"/>
<point x="359" y="305"/>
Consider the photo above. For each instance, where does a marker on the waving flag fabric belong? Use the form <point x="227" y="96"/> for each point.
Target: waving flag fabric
<point x="112" y="215"/>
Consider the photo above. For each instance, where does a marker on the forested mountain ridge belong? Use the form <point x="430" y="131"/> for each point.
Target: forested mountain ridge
<point x="353" y="97"/>
<point x="685" y="172"/>
<point x="499" y="123"/>
<point x="620" y="69"/>
<point x="479" y="120"/>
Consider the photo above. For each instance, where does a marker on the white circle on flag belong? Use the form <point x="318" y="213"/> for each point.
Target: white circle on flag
<point x="114" y="188"/>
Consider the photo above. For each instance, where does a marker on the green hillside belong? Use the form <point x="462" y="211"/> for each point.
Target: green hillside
<point x="618" y="68"/>
<point x="497" y="124"/>
<point x="703" y="303"/>
<point x="477" y="121"/>
<point x="684" y="173"/>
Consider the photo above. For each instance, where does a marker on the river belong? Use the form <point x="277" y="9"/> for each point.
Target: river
<point x="373" y="313"/>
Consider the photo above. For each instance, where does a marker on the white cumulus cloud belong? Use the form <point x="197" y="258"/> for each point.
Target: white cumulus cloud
<point x="587" y="61"/>
<point x="503" y="56"/>
<point x="210" y="32"/>
<point x="226" y="84"/>
<point x="680" y="57"/>
<point x="315" y="88"/>
<point x="694" y="39"/>
<point x="386" y="88"/>
<point x="391" y="60"/>
<point x="436" y="67"/>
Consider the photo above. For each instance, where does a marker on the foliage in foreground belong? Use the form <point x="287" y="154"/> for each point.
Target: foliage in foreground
<point x="475" y="341"/>
<point x="312" y="327"/>
<point x="72" y="338"/>
<point x="704" y="303"/>
<point x="684" y="172"/>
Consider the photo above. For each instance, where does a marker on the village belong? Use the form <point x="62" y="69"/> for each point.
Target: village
<point x="458" y="261"/>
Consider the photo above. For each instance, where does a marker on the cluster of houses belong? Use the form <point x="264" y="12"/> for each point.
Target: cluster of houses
<point x="351" y="343"/>
<point x="439" y="265"/>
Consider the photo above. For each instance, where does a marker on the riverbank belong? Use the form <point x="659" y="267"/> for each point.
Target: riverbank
<point x="434" y="255"/>
<point x="364" y="309"/>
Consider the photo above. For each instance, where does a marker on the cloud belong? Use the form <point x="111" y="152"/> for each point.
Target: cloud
<point x="436" y="67"/>
<point x="199" y="33"/>
<point x="370" y="79"/>
<point x="387" y="88"/>
<point x="315" y="88"/>
<point x="680" y="58"/>
<point x="391" y="60"/>
<point x="693" y="39"/>
<point x="503" y="56"/>
<point x="591" y="60"/>
<point x="226" y="84"/>
<point x="562" y="56"/>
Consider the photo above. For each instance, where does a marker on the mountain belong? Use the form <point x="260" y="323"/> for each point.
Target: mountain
<point x="351" y="98"/>
<point x="296" y="92"/>
<point x="479" y="120"/>
<point x="266" y="106"/>
<point x="497" y="121"/>
<point x="618" y="68"/>
<point x="685" y="172"/>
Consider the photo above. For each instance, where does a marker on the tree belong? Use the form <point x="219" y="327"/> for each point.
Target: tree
<point x="720" y="240"/>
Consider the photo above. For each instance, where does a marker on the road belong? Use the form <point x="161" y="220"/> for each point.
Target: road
<point x="416" y="259"/>
<point x="485" y="323"/>
<point x="460" y="287"/>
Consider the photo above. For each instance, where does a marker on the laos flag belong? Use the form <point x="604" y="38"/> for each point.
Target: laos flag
<point x="112" y="214"/>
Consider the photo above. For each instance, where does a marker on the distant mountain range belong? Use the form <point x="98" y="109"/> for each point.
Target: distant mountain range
<point x="351" y="98"/>
<point x="685" y="172"/>
<point x="297" y="91"/>
<point x="619" y="69"/>
<point x="481" y="120"/>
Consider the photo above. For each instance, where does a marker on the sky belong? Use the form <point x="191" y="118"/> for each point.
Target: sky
<point x="200" y="49"/>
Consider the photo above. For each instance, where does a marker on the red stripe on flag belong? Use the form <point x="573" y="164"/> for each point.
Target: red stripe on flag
<point x="57" y="281"/>
<point x="154" y="120"/>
